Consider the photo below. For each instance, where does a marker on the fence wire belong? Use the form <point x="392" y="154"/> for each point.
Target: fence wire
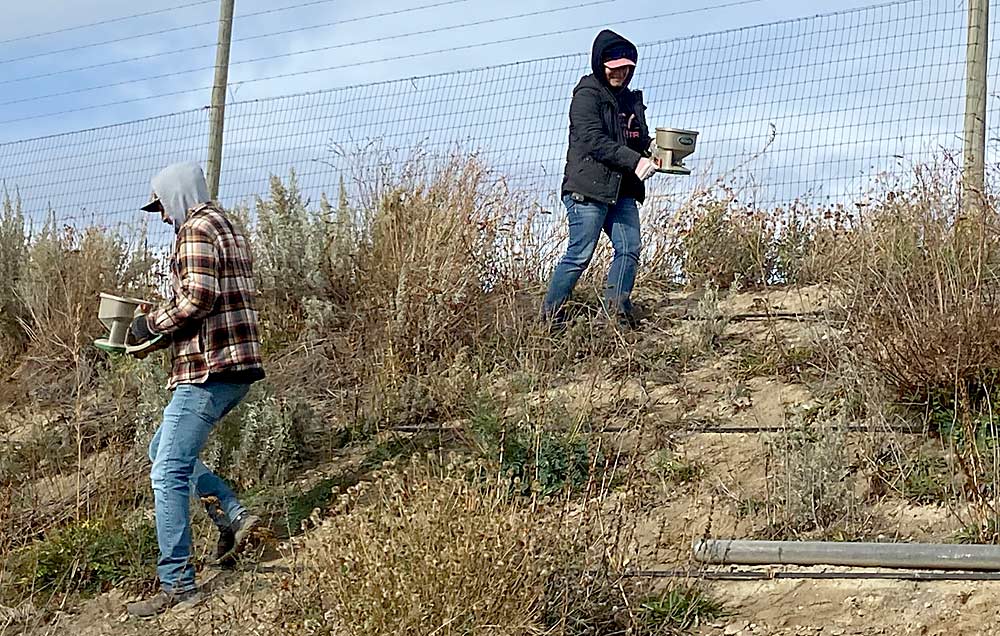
<point x="811" y="109"/>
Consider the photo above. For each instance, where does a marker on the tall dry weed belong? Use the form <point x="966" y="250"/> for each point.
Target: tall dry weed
<point x="422" y="280"/>
<point x="921" y="299"/>
<point x="64" y="273"/>
<point x="433" y="553"/>
<point x="449" y="549"/>
<point x="724" y="239"/>
<point x="13" y="257"/>
<point x="923" y="288"/>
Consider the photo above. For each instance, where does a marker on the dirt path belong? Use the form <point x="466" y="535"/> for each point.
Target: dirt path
<point x="842" y="607"/>
<point x="733" y="474"/>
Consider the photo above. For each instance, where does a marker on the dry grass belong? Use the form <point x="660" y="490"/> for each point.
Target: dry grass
<point x="923" y="289"/>
<point x="449" y="549"/>
<point x="53" y="293"/>
<point x="922" y="297"/>
<point x="407" y="303"/>
<point x="726" y="241"/>
<point x="435" y="553"/>
<point x="13" y="254"/>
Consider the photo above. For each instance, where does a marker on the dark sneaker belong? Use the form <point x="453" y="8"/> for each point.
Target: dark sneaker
<point x="628" y="321"/>
<point x="242" y="528"/>
<point x="161" y="602"/>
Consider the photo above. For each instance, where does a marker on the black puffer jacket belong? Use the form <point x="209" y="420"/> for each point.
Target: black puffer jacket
<point x="608" y="133"/>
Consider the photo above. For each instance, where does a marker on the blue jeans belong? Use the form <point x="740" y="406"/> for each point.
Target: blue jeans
<point x="177" y="474"/>
<point x="586" y="222"/>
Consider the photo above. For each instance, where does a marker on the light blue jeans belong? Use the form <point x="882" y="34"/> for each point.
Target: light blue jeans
<point x="586" y="222"/>
<point x="178" y="474"/>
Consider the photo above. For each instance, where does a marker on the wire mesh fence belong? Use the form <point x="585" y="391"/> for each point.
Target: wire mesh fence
<point x="812" y="109"/>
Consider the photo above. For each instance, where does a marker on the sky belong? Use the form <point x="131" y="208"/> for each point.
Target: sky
<point x="792" y="103"/>
<point x="33" y="106"/>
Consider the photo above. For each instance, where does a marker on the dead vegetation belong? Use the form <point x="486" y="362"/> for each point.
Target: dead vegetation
<point x="442" y="462"/>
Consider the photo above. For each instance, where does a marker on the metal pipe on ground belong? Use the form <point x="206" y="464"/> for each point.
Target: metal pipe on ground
<point x="927" y="556"/>
<point x="771" y="575"/>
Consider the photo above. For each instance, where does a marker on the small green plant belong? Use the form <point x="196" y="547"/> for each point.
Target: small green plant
<point x="970" y="423"/>
<point x="966" y="420"/>
<point x="300" y="507"/>
<point x="88" y="557"/>
<point x="921" y="479"/>
<point x="755" y="362"/>
<point x="543" y="461"/>
<point x="45" y="448"/>
<point x="750" y="507"/>
<point x="524" y="381"/>
<point x="660" y="363"/>
<point x="290" y="507"/>
<point x="768" y="359"/>
<point x="674" y="470"/>
<point x="987" y="531"/>
<point x="531" y="457"/>
<point x="681" y="607"/>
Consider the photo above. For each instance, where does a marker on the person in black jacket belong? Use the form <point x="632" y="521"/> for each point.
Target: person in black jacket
<point x="606" y="165"/>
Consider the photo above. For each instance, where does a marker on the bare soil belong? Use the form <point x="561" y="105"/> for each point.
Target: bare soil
<point x="680" y="409"/>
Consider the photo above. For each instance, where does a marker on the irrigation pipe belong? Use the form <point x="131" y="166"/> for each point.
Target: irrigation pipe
<point x="754" y="575"/>
<point x="774" y="315"/>
<point x="925" y="556"/>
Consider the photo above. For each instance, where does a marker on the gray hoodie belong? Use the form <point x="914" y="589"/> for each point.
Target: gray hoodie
<point x="180" y="187"/>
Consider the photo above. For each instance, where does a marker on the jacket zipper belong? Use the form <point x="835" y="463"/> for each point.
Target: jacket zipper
<point x="616" y="114"/>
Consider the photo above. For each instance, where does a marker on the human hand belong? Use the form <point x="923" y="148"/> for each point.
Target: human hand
<point x="139" y="331"/>
<point x="646" y="168"/>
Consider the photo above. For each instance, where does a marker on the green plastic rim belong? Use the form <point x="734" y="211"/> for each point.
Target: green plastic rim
<point x="107" y="347"/>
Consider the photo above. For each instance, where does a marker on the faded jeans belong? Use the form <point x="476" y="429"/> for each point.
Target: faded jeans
<point x="586" y="222"/>
<point x="178" y="474"/>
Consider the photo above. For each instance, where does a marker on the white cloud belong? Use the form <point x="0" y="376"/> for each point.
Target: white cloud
<point x="518" y="113"/>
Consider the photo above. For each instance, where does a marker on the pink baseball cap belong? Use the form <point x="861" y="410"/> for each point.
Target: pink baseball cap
<point x="619" y="63"/>
<point x="619" y="56"/>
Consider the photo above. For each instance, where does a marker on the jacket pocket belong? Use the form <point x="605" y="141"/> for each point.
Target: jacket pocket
<point x="189" y="345"/>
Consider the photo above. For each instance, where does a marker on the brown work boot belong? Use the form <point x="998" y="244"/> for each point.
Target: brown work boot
<point x="242" y="528"/>
<point x="161" y="602"/>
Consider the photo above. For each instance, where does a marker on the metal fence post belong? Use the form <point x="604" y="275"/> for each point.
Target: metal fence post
<point x="217" y="119"/>
<point x="974" y="159"/>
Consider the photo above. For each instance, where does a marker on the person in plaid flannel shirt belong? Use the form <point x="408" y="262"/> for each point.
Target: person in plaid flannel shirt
<point x="211" y="326"/>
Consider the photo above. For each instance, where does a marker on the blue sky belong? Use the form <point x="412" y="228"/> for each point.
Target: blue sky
<point x="800" y="109"/>
<point x="24" y="107"/>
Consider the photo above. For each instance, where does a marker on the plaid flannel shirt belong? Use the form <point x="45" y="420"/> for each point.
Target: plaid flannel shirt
<point x="211" y="316"/>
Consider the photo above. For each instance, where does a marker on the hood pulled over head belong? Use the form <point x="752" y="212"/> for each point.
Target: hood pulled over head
<point x="608" y="45"/>
<point x="180" y="188"/>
